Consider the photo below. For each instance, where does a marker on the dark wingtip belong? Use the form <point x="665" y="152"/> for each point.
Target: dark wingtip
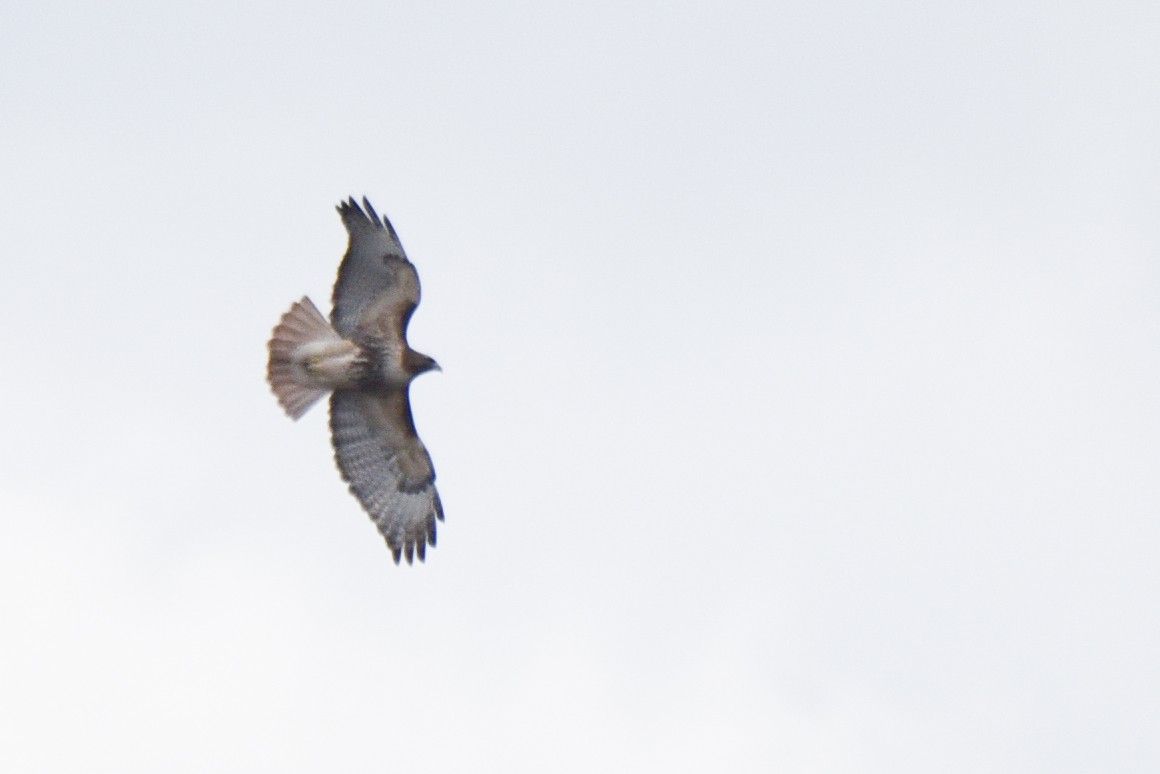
<point x="346" y="211"/>
<point x="374" y="216"/>
<point x="354" y="216"/>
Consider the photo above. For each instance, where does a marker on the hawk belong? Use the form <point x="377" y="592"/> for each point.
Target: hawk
<point x="361" y="357"/>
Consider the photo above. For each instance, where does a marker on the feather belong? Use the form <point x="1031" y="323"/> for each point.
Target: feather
<point x="287" y="370"/>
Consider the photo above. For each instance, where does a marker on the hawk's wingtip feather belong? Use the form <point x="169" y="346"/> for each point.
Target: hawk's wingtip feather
<point x="370" y="210"/>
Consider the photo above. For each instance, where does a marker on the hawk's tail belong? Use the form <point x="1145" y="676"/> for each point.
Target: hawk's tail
<point x="300" y="326"/>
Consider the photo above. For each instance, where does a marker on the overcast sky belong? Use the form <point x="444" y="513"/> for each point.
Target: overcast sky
<point x="799" y="406"/>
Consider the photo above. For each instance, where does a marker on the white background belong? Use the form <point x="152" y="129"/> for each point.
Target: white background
<point x="799" y="409"/>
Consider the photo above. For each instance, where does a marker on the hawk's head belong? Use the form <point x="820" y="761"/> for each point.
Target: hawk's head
<point x="418" y="363"/>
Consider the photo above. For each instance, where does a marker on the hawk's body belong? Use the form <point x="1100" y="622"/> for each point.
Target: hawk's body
<point x="362" y="357"/>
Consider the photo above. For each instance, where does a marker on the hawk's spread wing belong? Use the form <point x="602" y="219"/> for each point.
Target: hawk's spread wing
<point x="387" y="466"/>
<point x="377" y="287"/>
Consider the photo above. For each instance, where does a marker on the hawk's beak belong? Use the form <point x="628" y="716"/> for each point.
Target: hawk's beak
<point x="437" y="367"/>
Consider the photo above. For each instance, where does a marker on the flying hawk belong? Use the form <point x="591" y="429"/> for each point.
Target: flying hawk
<point x="362" y="358"/>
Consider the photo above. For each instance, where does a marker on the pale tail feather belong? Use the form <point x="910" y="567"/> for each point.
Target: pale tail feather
<point x="300" y="326"/>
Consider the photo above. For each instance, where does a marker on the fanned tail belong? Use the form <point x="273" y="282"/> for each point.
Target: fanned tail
<point x="301" y="326"/>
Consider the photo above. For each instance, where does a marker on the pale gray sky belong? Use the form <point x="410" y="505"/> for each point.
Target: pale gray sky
<point x="799" y="409"/>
